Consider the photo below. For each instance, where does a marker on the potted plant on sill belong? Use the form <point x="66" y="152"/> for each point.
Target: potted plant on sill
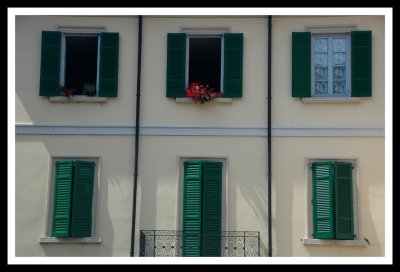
<point x="65" y="91"/>
<point x="201" y="92"/>
<point x="89" y="89"/>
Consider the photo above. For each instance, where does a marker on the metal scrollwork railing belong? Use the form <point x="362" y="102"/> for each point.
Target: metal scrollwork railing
<point x="170" y="243"/>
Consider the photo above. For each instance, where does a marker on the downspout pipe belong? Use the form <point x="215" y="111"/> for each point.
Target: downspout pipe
<point x="137" y="126"/>
<point x="269" y="137"/>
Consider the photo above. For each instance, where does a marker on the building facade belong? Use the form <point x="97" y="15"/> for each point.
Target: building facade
<point x="202" y="168"/>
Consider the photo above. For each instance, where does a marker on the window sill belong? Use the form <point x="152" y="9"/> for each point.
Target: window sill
<point x="216" y="100"/>
<point x="55" y="240"/>
<point x="78" y="99"/>
<point x="323" y="242"/>
<point x="331" y="100"/>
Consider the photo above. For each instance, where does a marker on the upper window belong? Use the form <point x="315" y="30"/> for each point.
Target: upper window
<point x="79" y="63"/>
<point x="334" y="65"/>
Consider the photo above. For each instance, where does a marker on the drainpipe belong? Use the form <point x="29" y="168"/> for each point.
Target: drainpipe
<point x="137" y="126"/>
<point x="269" y="137"/>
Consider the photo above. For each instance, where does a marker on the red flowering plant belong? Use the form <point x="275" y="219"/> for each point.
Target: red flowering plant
<point x="201" y="92"/>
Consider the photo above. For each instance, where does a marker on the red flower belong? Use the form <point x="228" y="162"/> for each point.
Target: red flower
<point x="201" y="92"/>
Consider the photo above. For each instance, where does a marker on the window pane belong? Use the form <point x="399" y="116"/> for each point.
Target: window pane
<point x="339" y="45"/>
<point x="205" y="61"/>
<point x="321" y="87"/>
<point x="339" y="87"/>
<point x="321" y="45"/>
<point x="339" y="58"/>
<point x="321" y="59"/>
<point x="339" y="72"/>
<point x="321" y="73"/>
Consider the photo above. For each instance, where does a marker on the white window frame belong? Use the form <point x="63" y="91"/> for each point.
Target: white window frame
<point x="330" y="64"/>
<point x="95" y="238"/>
<point x="310" y="240"/>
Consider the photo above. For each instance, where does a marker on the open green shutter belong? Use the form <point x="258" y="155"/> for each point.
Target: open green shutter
<point x="233" y="64"/>
<point x="109" y="54"/>
<point x="344" y="201"/>
<point x="176" y="64"/>
<point x="62" y="199"/>
<point x="192" y="208"/>
<point x="211" y="209"/>
<point x="50" y="63"/>
<point x="81" y="221"/>
<point x="361" y="63"/>
<point x="301" y="64"/>
<point x="323" y="200"/>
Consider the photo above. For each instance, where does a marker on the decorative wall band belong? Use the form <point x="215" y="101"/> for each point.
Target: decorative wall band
<point x="277" y="131"/>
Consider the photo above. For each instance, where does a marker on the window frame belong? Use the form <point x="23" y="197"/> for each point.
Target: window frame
<point x="95" y="237"/>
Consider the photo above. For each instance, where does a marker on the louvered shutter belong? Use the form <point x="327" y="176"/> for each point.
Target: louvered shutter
<point x="109" y="55"/>
<point x="62" y="199"/>
<point x="211" y="209"/>
<point x="50" y="63"/>
<point x="343" y="201"/>
<point x="301" y="64"/>
<point x="192" y="208"/>
<point x="323" y="200"/>
<point x="81" y="222"/>
<point x="176" y="64"/>
<point x="233" y="64"/>
<point x="361" y="63"/>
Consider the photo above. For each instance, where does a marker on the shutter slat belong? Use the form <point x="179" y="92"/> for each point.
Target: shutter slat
<point x="233" y="64"/>
<point x="361" y="63"/>
<point x="62" y="199"/>
<point x="192" y="208"/>
<point x="50" y="63"/>
<point x="81" y="222"/>
<point x="344" y="201"/>
<point x="301" y="64"/>
<point x="109" y="55"/>
<point x="176" y="64"/>
<point x="323" y="200"/>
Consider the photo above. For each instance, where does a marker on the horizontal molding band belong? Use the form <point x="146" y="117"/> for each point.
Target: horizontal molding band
<point x="126" y="130"/>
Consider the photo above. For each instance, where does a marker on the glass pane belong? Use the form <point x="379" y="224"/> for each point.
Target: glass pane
<point x="339" y="87"/>
<point x="321" y="73"/>
<point x="321" y="45"/>
<point x="321" y="87"/>
<point x="321" y="59"/>
<point x="339" y="45"/>
<point x="339" y="58"/>
<point x="339" y="72"/>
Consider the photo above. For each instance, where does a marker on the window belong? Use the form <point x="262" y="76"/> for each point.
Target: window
<point x="202" y="208"/>
<point x="333" y="210"/>
<point x="72" y="202"/>
<point x="213" y="59"/>
<point x="74" y="63"/>
<point x="332" y="65"/>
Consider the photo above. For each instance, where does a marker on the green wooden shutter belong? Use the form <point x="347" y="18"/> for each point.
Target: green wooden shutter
<point x="81" y="221"/>
<point x="109" y="54"/>
<point x="301" y="64"/>
<point x="344" y="201"/>
<point x="361" y="63"/>
<point x="50" y="63"/>
<point x="323" y="200"/>
<point x="211" y="209"/>
<point x="62" y="199"/>
<point x="233" y="64"/>
<point x="176" y="64"/>
<point x="192" y="208"/>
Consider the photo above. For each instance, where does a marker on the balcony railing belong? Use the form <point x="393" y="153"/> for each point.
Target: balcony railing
<point x="171" y="243"/>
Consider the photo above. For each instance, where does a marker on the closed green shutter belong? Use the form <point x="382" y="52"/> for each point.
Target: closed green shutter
<point x="344" y="201"/>
<point x="233" y="64"/>
<point x="81" y="222"/>
<point x="301" y="64"/>
<point x="211" y="209"/>
<point x="176" y="64"/>
<point x="62" y="199"/>
<point x="192" y="208"/>
<point x="109" y="54"/>
<point x="323" y="200"/>
<point x="361" y="63"/>
<point x="50" y="63"/>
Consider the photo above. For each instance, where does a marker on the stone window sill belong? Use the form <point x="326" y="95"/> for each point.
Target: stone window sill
<point x="216" y="100"/>
<point x="331" y="100"/>
<point x="85" y="240"/>
<point x="323" y="242"/>
<point x="78" y="99"/>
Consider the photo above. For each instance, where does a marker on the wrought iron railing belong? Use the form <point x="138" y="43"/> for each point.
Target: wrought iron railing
<point x="170" y="243"/>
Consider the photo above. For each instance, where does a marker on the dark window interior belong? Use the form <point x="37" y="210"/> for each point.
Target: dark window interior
<point x="205" y="61"/>
<point x="80" y="61"/>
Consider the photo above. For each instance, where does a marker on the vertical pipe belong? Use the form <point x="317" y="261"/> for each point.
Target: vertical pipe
<point x="269" y="138"/>
<point x="137" y="125"/>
